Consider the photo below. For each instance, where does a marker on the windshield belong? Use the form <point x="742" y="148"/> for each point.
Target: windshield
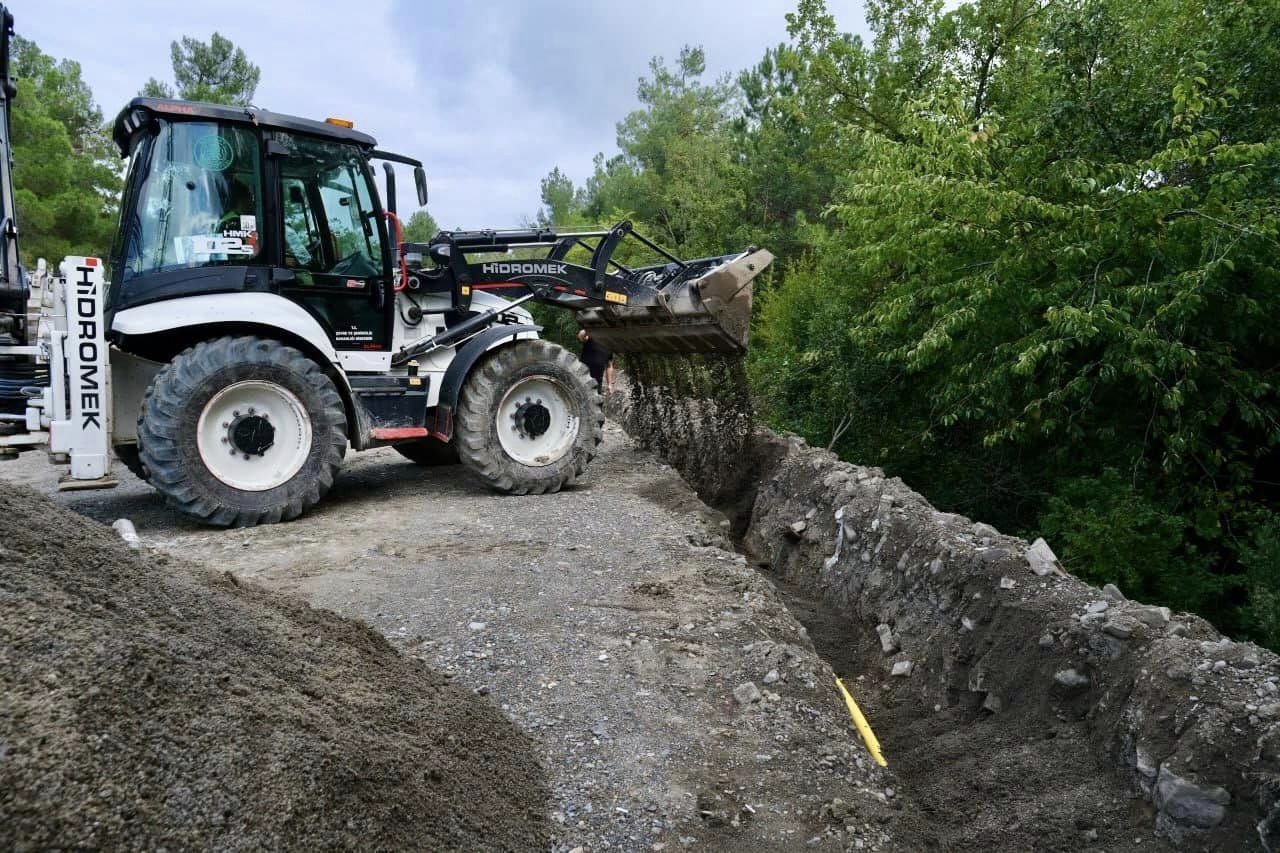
<point x="194" y="200"/>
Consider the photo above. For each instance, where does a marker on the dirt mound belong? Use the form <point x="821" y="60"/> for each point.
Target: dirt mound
<point x="145" y="704"/>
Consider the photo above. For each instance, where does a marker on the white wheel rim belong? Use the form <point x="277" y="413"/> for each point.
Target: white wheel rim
<point x="275" y="465"/>
<point x="518" y="412"/>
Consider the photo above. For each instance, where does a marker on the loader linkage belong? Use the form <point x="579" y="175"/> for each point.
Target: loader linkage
<point x="701" y="305"/>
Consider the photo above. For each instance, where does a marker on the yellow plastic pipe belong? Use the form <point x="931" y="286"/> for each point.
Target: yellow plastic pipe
<point x="864" y="728"/>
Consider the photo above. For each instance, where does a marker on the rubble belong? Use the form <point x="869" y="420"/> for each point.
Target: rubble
<point x="887" y="642"/>
<point x="1041" y="559"/>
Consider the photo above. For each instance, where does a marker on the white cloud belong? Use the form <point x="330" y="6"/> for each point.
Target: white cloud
<point x="489" y="95"/>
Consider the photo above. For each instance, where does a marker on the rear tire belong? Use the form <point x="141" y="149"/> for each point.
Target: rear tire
<point x="529" y="418"/>
<point x="429" y="452"/>
<point x="268" y="407"/>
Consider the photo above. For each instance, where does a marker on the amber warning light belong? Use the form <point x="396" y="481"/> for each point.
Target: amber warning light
<point x="340" y="122"/>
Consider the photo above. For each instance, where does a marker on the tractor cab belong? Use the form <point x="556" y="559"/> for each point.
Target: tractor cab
<point x="222" y="199"/>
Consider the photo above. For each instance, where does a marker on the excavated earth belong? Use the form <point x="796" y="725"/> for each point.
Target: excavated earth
<point x="1021" y="707"/>
<point x="148" y="704"/>
<point x="670" y="698"/>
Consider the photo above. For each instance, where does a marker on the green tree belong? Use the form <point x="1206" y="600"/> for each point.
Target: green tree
<point x="420" y="227"/>
<point x="677" y="174"/>
<point x="1045" y="289"/>
<point x="215" y="71"/>
<point x="1029" y="260"/>
<point x="562" y="204"/>
<point x="66" y="171"/>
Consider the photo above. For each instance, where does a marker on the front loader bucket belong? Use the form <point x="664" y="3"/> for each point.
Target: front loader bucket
<point x="709" y="313"/>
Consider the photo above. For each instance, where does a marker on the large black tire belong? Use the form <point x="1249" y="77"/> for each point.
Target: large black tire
<point x="429" y="452"/>
<point x="495" y="381"/>
<point x="199" y="380"/>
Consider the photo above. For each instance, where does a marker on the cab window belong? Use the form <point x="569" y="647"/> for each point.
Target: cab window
<point x="194" y="199"/>
<point x="332" y="233"/>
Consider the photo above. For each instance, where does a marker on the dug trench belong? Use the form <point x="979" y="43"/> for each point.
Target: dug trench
<point x="1019" y="707"/>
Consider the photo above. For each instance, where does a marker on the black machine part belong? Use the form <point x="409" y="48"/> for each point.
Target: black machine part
<point x="679" y="306"/>
<point x="13" y="288"/>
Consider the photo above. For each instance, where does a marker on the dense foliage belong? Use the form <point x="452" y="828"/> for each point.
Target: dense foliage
<point x="1028" y="260"/>
<point x="64" y="166"/>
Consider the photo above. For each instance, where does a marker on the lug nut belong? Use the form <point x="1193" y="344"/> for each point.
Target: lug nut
<point x="251" y="410"/>
<point x="226" y="424"/>
<point x="224" y="439"/>
<point x="246" y="457"/>
<point x="236" y="413"/>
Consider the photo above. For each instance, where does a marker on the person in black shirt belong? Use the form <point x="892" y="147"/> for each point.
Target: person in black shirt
<point x="598" y="360"/>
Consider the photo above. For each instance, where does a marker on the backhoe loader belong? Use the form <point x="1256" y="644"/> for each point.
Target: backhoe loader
<point x="260" y="313"/>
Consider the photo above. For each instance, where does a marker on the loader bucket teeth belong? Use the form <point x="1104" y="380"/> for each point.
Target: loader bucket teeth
<point x="711" y="313"/>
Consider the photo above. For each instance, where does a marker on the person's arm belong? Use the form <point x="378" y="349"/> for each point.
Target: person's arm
<point x="608" y="376"/>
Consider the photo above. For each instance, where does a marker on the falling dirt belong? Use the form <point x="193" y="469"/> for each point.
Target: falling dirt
<point x="145" y="704"/>
<point x="696" y="412"/>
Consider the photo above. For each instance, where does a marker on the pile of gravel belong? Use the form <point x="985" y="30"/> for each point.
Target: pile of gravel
<point x="147" y="704"/>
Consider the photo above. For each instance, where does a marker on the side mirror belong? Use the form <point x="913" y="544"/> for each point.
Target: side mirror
<point x="420" y="179"/>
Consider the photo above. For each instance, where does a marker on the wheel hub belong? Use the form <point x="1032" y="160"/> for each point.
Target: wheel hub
<point x="537" y="421"/>
<point x="532" y="418"/>
<point x="251" y="434"/>
<point x="254" y="435"/>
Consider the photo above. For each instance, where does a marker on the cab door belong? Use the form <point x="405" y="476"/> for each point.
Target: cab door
<point x="334" y="241"/>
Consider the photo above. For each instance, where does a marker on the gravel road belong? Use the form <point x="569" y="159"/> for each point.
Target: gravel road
<point x="676" y="702"/>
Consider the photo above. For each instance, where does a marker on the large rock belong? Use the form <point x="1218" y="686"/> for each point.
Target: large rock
<point x="1200" y="806"/>
<point x="1042" y="560"/>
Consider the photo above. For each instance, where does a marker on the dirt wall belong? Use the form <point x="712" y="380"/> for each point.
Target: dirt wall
<point x="971" y="627"/>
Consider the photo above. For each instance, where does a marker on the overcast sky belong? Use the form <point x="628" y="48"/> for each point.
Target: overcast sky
<point x="489" y="95"/>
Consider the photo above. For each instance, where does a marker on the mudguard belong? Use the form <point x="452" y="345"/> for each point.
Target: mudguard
<point x="259" y="309"/>
<point x="441" y="423"/>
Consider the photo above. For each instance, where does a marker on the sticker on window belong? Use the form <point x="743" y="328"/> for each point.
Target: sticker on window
<point x="213" y="153"/>
<point x="205" y="247"/>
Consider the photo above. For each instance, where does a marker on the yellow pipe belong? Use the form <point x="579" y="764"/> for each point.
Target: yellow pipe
<point x="864" y="728"/>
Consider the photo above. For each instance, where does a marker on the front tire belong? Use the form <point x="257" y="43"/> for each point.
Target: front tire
<point x="529" y="418"/>
<point x="242" y="431"/>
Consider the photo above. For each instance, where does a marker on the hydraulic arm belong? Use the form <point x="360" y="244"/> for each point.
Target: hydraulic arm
<point x="701" y="305"/>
